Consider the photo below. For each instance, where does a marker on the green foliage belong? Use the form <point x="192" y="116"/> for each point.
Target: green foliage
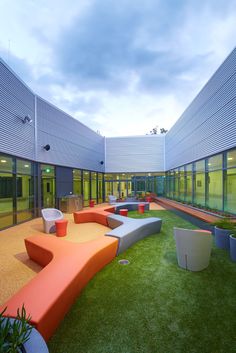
<point x="14" y="333"/>
<point x="225" y="223"/>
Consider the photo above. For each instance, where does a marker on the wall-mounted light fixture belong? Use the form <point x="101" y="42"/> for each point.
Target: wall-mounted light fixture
<point x="47" y="147"/>
<point x="101" y="162"/>
<point x="27" y="119"/>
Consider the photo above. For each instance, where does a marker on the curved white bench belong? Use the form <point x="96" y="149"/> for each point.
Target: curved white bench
<point x="129" y="230"/>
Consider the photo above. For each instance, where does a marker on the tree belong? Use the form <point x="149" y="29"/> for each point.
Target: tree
<point x="155" y="131"/>
<point x="163" y="130"/>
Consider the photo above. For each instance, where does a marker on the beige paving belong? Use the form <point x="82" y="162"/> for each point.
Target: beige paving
<point x="16" y="269"/>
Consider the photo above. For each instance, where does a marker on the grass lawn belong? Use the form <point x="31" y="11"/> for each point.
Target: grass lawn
<point x="152" y="305"/>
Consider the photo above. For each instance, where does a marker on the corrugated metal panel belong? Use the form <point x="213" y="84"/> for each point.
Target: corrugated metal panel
<point x="208" y="125"/>
<point x="16" y="101"/>
<point x="135" y="154"/>
<point x="72" y="143"/>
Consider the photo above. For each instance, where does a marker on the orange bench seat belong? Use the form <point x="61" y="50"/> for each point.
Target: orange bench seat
<point x="94" y="215"/>
<point x="68" y="268"/>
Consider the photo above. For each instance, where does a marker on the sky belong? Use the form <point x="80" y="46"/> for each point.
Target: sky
<point x="120" y="67"/>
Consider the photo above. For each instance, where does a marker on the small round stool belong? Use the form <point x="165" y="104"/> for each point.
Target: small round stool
<point x="91" y="203"/>
<point x="124" y="212"/>
<point x="61" y="227"/>
<point x="141" y="208"/>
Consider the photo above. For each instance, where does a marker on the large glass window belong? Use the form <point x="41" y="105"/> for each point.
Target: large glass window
<point x="94" y="186"/>
<point x="176" y="185"/>
<point x="199" y="183"/>
<point x="214" y="178"/>
<point x="86" y="187"/>
<point x="189" y="183"/>
<point x="215" y="190"/>
<point x="230" y="182"/>
<point x="230" y="190"/>
<point x="77" y="182"/>
<point x="48" y="185"/>
<point x="181" y="184"/>
<point x="100" y="188"/>
<point x="6" y="191"/>
<point x="24" y="190"/>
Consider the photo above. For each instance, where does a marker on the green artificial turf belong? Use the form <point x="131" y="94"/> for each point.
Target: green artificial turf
<point x="152" y="305"/>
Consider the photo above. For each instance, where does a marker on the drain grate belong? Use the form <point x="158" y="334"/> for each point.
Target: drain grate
<point x="123" y="262"/>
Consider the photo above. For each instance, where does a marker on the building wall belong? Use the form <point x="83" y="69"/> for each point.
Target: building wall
<point x="16" y="101"/>
<point x="208" y="125"/>
<point x="135" y="154"/>
<point x="72" y="143"/>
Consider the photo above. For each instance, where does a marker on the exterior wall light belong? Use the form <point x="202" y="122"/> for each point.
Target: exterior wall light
<point x="27" y="119"/>
<point x="101" y="162"/>
<point x="47" y="147"/>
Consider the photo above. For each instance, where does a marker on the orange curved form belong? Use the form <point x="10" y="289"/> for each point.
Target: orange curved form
<point x="94" y="215"/>
<point x="68" y="268"/>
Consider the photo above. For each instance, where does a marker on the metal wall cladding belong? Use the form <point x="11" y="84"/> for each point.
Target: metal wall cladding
<point x="72" y="144"/>
<point x="16" y="101"/>
<point x="208" y="126"/>
<point x="135" y="154"/>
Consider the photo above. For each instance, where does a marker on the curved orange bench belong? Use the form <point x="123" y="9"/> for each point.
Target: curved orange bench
<point x="68" y="267"/>
<point x="98" y="215"/>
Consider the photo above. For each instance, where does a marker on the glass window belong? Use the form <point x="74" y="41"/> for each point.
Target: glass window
<point x="6" y="199"/>
<point x="24" y="167"/>
<point x="77" y="182"/>
<point x="108" y="176"/>
<point x="100" y="187"/>
<point x="94" y="186"/>
<point x="25" y="197"/>
<point x="189" y="182"/>
<point x="199" y="188"/>
<point x="230" y="191"/>
<point x="181" y="184"/>
<point x="231" y="159"/>
<point x="48" y="185"/>
<point x="86" y="187"/>
<point x="199" y="166"/>
<point x="108" y="189"/>
<point x="215" y="190"/>
<point x="6" y="164"/>
<point x="215" y="162"/>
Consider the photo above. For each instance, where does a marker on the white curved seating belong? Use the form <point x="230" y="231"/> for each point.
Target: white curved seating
<point x="112" y="199"/>
<point x="193" y="248"/>
<point x="129" y="230"/>
<point x="50" y="215"/>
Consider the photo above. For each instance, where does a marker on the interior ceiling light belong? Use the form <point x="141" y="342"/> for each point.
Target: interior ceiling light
<point x="3" y="161"/>
<point x="230" y="158"/>
<point x="26" y="165"/>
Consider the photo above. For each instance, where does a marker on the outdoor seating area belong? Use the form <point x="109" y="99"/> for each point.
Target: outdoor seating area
<point x="73" y="265"/>
<point x="78" y="262"/>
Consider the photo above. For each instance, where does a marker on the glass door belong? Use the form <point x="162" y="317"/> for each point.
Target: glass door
<point x="48" y="186"/>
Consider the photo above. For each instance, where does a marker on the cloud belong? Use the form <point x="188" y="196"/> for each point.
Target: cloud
<point x="119" y="67"/>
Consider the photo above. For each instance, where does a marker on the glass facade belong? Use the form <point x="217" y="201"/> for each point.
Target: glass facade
<point x="133" y="185"/>
<point x="209" y="183"/>
<point x="17" y="195"/>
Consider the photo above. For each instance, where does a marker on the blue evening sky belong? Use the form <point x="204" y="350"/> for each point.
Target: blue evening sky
<point x="120" y="67"/>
